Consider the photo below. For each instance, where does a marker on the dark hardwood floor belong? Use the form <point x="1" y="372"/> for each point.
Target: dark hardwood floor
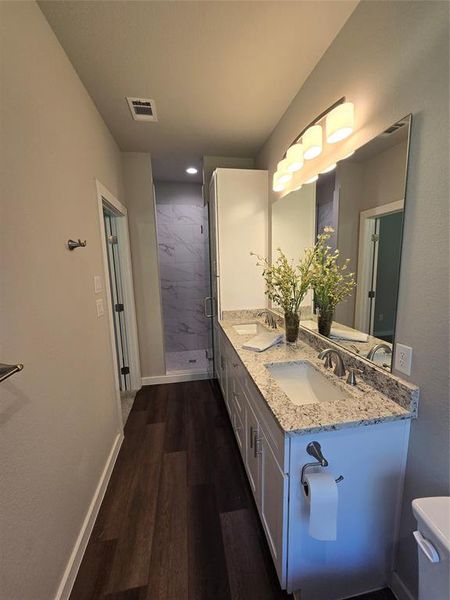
<point x="178" y="520"/>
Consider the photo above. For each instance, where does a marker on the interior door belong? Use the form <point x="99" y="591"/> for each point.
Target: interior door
<point x="387" y="275"/>
<point x="117" y="297"/>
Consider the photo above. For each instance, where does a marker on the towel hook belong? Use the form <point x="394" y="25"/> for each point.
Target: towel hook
<point x="72" y="244"/>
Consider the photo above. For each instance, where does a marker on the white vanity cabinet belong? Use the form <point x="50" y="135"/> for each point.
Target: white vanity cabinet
<point x="261" y="444"/>
<point x="371" y="458"/>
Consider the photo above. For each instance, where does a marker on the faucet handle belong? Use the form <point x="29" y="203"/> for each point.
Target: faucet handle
<point x="351" y="379"/>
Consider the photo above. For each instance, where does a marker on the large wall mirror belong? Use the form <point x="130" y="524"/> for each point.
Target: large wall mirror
<point x="363" y="201"/>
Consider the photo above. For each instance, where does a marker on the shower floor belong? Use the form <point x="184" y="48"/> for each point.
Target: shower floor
<point x="187" y="360"/>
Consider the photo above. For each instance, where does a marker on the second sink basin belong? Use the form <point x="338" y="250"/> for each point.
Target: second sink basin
<point x="248" y="328"/>
<point x="304" y="384"/>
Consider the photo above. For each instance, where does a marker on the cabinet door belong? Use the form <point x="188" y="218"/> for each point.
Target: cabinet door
<point x="252" y="451"/>
<point x="273" y="511"/>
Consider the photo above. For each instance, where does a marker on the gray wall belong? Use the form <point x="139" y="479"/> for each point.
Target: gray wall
<point x="392" y="58"/>
<point x="58" y="418"/>
<point x="139" y="194"/>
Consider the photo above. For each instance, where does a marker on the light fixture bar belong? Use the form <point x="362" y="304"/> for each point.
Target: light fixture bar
<point x="315" y="121"/>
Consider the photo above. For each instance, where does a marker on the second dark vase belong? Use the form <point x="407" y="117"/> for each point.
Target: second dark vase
<point x="291" y="324"/>
<point x="324" y="321"/>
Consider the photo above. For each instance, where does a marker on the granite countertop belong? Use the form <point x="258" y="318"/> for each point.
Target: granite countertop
<point x="364" y="404"/>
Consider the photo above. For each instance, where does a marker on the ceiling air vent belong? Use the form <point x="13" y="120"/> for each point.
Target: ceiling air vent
<point x="142" y="109"/>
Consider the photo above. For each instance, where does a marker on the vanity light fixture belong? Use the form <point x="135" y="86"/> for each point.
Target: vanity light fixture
<point x="282" y="169"/>
<point x="277" y="186"/>
<point x="192" y="171"/>
<point x="294" y="156"/>
<point x="312" y="142"/>
<point x="329" y="169"/>
<point x="347" y="155"/>
<point x="313" y="179"/>
<point x="339" y="122"/>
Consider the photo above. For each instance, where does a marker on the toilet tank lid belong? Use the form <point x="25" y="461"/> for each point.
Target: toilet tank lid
<point x="435" y="513"/>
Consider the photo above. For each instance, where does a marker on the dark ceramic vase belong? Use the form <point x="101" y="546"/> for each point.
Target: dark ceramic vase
<point x="291" y="323"/>
<point x="324" y="321"/>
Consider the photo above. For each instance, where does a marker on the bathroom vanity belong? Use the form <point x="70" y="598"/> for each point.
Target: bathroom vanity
<point x="363" y="431"/>
<point x="283" y="399"/>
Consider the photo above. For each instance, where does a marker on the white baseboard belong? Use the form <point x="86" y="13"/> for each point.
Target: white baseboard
<point x="71" y="570"/>
<point x="399" y="589"/>
<point x="177" y="377"/>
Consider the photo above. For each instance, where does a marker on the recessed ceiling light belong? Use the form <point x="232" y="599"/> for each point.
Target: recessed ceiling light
<point x="192" y="171"/>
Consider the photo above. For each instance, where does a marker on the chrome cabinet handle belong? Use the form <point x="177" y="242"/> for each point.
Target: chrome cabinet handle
<point x="8" y="370"/>
<point x="257" y="450"/>
<point x="205" y="305"/>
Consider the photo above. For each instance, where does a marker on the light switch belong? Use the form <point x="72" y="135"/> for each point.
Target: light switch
<point x="97" y="284"/>
<point x="100" y="309"/>
<point x="403" y="358"/>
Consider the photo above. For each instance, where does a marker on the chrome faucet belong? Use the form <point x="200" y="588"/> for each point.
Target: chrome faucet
<point x="374" y="350"/>
<point x="339" y="368"/>
<point x="270" y="320"/>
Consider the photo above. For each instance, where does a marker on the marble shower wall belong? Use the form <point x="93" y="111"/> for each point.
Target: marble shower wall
<point x="182" y="226"/>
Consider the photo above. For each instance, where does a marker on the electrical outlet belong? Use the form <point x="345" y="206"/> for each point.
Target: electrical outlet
<point x="100" y="309"/>
<point x="403" y="359"/>
<point x="97" y="284"/>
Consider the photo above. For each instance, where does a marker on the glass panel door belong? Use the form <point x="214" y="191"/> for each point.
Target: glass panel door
<point x="115" y="281"/>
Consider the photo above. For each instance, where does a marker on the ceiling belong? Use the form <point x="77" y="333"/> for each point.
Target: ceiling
<point x="221" y="73"/>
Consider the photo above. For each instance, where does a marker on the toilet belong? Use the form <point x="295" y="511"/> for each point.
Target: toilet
<point x="433" y="540"/>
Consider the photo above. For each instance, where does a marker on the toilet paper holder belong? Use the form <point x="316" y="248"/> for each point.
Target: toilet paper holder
<point x="314" y="449"/>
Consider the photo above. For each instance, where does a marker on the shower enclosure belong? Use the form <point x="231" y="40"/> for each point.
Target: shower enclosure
<point x="182" y="227"/>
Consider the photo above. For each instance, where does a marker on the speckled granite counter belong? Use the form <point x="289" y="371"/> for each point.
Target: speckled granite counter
<point x="387" y="398"/>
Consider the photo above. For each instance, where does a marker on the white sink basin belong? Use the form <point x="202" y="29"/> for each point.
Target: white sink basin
<point x="248" y="328"/>
<point x="304" y="384"/>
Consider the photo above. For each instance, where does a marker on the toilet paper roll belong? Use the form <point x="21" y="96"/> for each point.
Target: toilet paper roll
<point x="323" y="505"/>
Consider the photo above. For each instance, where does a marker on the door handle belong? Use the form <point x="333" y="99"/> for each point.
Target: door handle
<point x="205" y="307"/>
<point x="8" y="370"/>
<point x="257" y="441"/>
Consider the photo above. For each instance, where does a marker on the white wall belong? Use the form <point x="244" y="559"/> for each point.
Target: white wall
<point x="58" y="418"/>
<point x="144" y="255"/>
<point x="392" y="58"/>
